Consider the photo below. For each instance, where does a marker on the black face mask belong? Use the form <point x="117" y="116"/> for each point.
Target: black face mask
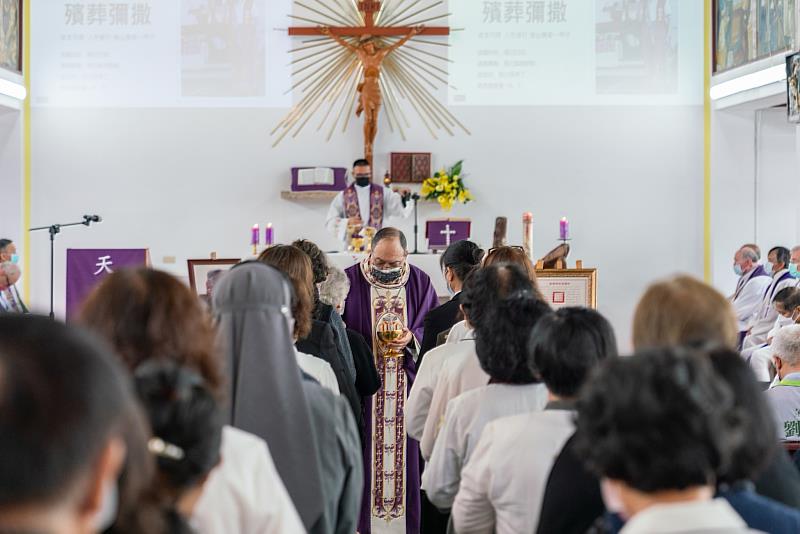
<point x="363" y="181"/>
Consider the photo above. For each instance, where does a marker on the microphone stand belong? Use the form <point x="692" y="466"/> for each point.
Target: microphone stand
<point x="53" y="230"/>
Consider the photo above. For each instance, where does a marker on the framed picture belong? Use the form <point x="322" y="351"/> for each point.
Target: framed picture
<point x="410" y="167"/>
<point x="793" y="87"/>
<point x="11" y="35"/>
<point x="569" y="287"/>
<point x="204" y="274"/>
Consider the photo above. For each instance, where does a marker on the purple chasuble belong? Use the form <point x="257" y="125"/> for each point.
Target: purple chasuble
<point x="388" y="513"/>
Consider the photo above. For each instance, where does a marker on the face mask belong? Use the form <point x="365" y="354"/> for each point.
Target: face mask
<point x="362" y="181"/>
<point x="737" y="269"/>
<point x="109" y="507"/>
<point x="784" y="321"/>
<point x="768" y="268"/>
<point x="388" y="276"/>
<point x="14" y="258"/>
<point x="449" y="289"/>
<point x="611" y="498"/>
<point x="793" y="270"/>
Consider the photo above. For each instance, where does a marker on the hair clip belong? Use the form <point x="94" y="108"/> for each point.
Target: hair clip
<point x="162" y="449"/>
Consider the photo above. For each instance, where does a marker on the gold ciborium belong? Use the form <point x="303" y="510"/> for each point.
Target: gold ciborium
<point x="389" y="329"/>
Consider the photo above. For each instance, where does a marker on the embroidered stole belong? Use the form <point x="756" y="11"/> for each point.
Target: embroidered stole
<point x="388" y="484"/>
<point x="352" y="208"/>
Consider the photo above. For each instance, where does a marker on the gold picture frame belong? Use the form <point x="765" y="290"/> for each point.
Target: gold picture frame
<point x="568" y="287"/>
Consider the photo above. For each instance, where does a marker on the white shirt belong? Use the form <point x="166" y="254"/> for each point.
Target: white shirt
<point x="763" y="320"/>
<point x="336" y="220"/>
<point x="460" y="373"/>
<point x="459" y="331"/>
<point x="502" y="486"/>
<point x="750" y="293"/>
<point x="318" y="369"/>
<point x="244" y="493"/>
<point x="698" y="517"/>
<point x="419" y="398"/>
<point x="465" y="419"/>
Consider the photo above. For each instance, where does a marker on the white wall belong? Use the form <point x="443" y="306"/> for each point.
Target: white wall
<point x="11" y="174"/>
<point x="185" y="182"/>
<point x="755" y="186"/>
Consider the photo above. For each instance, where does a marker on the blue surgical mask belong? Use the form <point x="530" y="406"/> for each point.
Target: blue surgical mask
<point x="15" y="258"/>
<point x="737" y="269"/>
<point x="793" y="270"/>
<point x="768" y="268"/>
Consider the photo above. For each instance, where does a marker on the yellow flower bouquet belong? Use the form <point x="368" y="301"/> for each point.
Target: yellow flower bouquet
<point x="446" y="188"/>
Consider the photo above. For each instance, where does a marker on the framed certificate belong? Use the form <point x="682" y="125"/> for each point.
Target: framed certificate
<point x="569" y="287"/>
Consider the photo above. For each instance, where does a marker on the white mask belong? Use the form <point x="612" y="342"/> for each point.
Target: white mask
<point x="108" y="508"/>
<point x="611" y="498"/>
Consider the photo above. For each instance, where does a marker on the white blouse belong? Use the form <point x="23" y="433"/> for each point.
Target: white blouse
<point x="502" y="486"/>
<point x="419" y="398"/>
<point x="245" y="493"/>
<point x="318" y="369"/>
<point x="465" y="418"/>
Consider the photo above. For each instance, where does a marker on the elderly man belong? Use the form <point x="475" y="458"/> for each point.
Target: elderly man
<point x="387" y="304"/>
<point x="787" y="304"/>
<point x="763" y="320"/>
<point x="8" y="251"/>
<point x="753" y="281"/>
<point x="785" y="396"/>
<point x="10" y="300"/>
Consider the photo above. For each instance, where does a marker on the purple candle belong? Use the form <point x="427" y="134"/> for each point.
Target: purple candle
<point x="564" y="227"/>
<point x="254" y="235"/>
<point x="269" y="236"/>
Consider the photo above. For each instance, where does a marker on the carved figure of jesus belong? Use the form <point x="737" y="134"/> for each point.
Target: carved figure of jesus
<point x="371" y="57"/>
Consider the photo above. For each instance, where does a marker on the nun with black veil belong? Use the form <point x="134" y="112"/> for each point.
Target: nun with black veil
<point x="310" y="431"/>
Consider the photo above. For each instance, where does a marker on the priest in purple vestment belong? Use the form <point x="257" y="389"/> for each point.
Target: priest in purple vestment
<point x="390" y="297"/>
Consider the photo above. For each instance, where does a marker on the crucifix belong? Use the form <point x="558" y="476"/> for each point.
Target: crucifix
<point x="365" y="56"/>
<point x="448" y="233"/>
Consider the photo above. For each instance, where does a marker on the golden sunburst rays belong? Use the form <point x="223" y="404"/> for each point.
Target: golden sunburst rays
<point x="326" y="74"/>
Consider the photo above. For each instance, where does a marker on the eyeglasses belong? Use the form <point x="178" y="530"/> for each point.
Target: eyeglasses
<point x="512" y="247"/>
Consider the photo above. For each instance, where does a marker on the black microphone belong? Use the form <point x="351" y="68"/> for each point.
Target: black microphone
<point x="88" y="219"/>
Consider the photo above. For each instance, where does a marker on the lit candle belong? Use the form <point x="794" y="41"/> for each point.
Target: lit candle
<point x="564" y="229"/>
<point x="269" y="235"/>
<point x="255" y="234"/>
<point x="527" y="233"/>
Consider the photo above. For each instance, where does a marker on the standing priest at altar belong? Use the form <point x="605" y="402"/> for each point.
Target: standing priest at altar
<point x="387" y="304"/>
<point x="363" y="205"/>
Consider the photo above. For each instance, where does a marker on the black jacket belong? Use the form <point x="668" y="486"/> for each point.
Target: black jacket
<point x="322" y="344"/>
<point x="437" y="321"/>
<point x="367" y="380"/>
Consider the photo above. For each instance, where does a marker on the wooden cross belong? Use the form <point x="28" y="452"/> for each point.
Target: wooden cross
<point x="368" y="9"/>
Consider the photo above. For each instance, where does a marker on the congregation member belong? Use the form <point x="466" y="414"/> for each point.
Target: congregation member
<point x="787" y="304"/>
<point x="64" y="406"/>
<point x="310" y="431"/>
<point x="315" y="347"/>
<point x="10" y="299"/>
<point x="503" y="309"/>
<point x="785" y="396"/>
<point x="457" y="263"/>
<point x="750" y="288"/>
<point x="8" y="251"/>
<point x="462" y="371"/>
<point x="389" y="294"/>
<point x="363" y="204"/>
<point x="755" y="454"/>
<point x="763" y="319"/>
<point x="503" y="484"/>
<point x="334" y="289"/>
<point x="186" y="422"/>
<point x="325" y="312"/>
<point x="146" y="314"/>
<point x="657" y="484"/>
<point x="683" y="311"/>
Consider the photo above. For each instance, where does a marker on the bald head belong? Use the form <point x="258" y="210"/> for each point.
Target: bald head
<point x="9" y="274"/>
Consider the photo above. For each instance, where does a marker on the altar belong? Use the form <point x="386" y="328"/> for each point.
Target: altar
<point x="429" y="263"/>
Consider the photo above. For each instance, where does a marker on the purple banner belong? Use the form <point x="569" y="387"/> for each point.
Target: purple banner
<point x="87" y="267"/>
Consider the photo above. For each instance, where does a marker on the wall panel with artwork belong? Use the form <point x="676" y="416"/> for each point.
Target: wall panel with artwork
<point x="11" y="35"/>
<point x="748" y="30"/>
